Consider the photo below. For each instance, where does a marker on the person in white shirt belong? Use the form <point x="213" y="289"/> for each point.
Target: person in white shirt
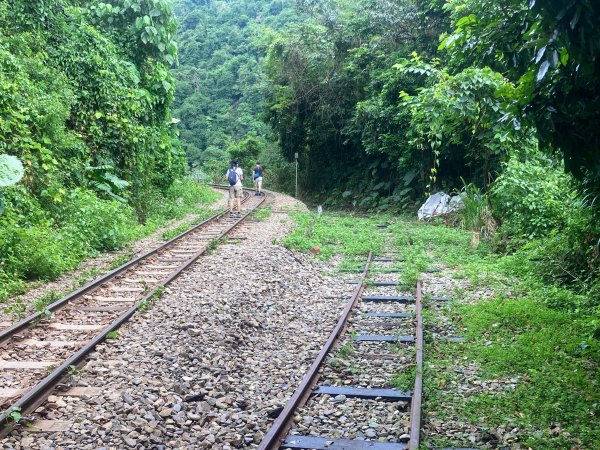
<point x="235" y="176"/>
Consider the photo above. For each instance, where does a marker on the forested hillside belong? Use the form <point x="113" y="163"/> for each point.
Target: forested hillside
<point x="220" y="79"/>
<point x="85" y="97"/>
<point x="386" y="101"/>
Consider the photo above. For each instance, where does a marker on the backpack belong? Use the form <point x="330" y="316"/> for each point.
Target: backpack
<point x="232" y="177"/>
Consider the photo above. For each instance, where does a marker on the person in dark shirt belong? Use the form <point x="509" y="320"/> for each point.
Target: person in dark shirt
<point x="257" y="176"/>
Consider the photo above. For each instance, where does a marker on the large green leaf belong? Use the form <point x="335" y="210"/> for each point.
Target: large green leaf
<point x="11" y="170"/>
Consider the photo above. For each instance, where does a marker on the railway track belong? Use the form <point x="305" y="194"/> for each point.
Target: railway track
<point x="38" y="351"/>
<point x="361" y="334"/>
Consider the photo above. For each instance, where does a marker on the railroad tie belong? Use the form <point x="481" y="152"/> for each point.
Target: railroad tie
<point x="388" y="260"/>
<point x="75" y="327"/>
<point x="383" y="338"/>
<point x="102" y="299"/>
<point x="26" y="365"/>
<point x="50" y="426"/>
<point x="141" y="281"/>
<point x="325" y="443"/>
<point x="440" y="299"/>
<point x="364" y="393"/>
<point x="125" y="289"/>
<point x="39" y="343"/>
<point x="153" y="273"/>
<point x="8" y="394"/>
<point x="389" y="315"/>
<point x="388" y="298"/>
<point x="101" y="308"/>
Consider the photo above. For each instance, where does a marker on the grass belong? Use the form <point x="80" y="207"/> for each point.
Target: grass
<point x="261" y="214"/>
<point x="345" y="351"/>
<point x="121" y="259"/>
<point x="333" y="234"/>
<point x="404" y="381"/>
<point x="111" y="335"/>
<point x="513" y="334"/>
<point x="529" y="340"/>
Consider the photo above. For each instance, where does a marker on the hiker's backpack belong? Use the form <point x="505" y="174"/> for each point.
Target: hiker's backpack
<point x="232" y="177"/>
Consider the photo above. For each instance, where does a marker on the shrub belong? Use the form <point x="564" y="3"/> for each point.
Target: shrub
<point x="98" y="224"/>
<point x="532" y="197"/>
<point x="181" y="197"/>
<point x="476" y="214"/>
<point x="43" y="253"/>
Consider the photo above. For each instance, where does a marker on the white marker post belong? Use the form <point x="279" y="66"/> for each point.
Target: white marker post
<point x="296" y="158"/>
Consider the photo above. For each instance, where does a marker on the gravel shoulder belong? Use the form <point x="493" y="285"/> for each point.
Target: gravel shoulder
<point x="209" y="364"/>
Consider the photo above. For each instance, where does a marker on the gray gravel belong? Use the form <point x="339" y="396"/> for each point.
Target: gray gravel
<point x="204" y="367"/>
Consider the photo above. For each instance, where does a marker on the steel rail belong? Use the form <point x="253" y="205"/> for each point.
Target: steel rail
<point x="415" y="408"/>
<point x="40" y="392"/>
<point x="24" y="323"/>
<point x="280" y="426"/>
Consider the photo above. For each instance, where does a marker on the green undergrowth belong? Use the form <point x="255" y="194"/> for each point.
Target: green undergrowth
<point x="37" y="246"/>
<point x="533" y="344"/>
<point x="517" y="328"/>
<point x="331" y="234"/>
<point x="261" y="214"/>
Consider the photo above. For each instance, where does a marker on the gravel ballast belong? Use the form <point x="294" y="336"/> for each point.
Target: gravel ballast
<point x="210" y="364"/>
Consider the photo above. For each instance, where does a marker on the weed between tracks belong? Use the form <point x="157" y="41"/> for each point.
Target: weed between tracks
<point x="528" y="373"/>
<point x="112" y="335"/>
<point x="261" y="214"/>
<point x="333" y="234"/>
<point x="156" y="295"/>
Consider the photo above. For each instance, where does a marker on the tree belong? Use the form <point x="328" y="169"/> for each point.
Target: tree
<point x="552" y="50"/>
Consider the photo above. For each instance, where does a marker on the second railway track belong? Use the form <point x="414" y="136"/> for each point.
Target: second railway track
<point x="331" y="388"/>
<point x="347" y="399"/>
<point x="40" y="349"/>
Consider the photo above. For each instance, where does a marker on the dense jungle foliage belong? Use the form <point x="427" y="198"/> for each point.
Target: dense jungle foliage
<point x="85" y="97"/>
<point x="220" y="80"/>
<point x="386" y="101"/>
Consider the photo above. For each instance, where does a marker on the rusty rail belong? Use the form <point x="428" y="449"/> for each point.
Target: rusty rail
<point x="283" y="422"/>
<point x="415" y="409"/>
<point x="40" y="392"/>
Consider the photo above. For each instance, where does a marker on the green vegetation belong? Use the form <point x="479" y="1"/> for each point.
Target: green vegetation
<point x="329" y="234"/>
<point x="158" y="292"/>
<point x="261" y="214"/>
<point x="14" y="416"/>
<point x="120" y="260"/>
<point x="525" y="332"/>
<point x="111" y="335"/>
<point x="538" y="334"/>
<point x="220" y="82"/>
<point x="381" y="114"/>
<point x="83" y="226"/>
<point x="405" y="380"/>
<point x="345" y="351"/>
<point x="85" y="121"/>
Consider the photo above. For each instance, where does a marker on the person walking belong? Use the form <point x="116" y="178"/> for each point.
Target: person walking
<point x="234" y="177"/>
<point x="257" y="176"/>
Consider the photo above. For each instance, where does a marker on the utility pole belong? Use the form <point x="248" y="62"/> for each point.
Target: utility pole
<point x="296" y="158"/>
